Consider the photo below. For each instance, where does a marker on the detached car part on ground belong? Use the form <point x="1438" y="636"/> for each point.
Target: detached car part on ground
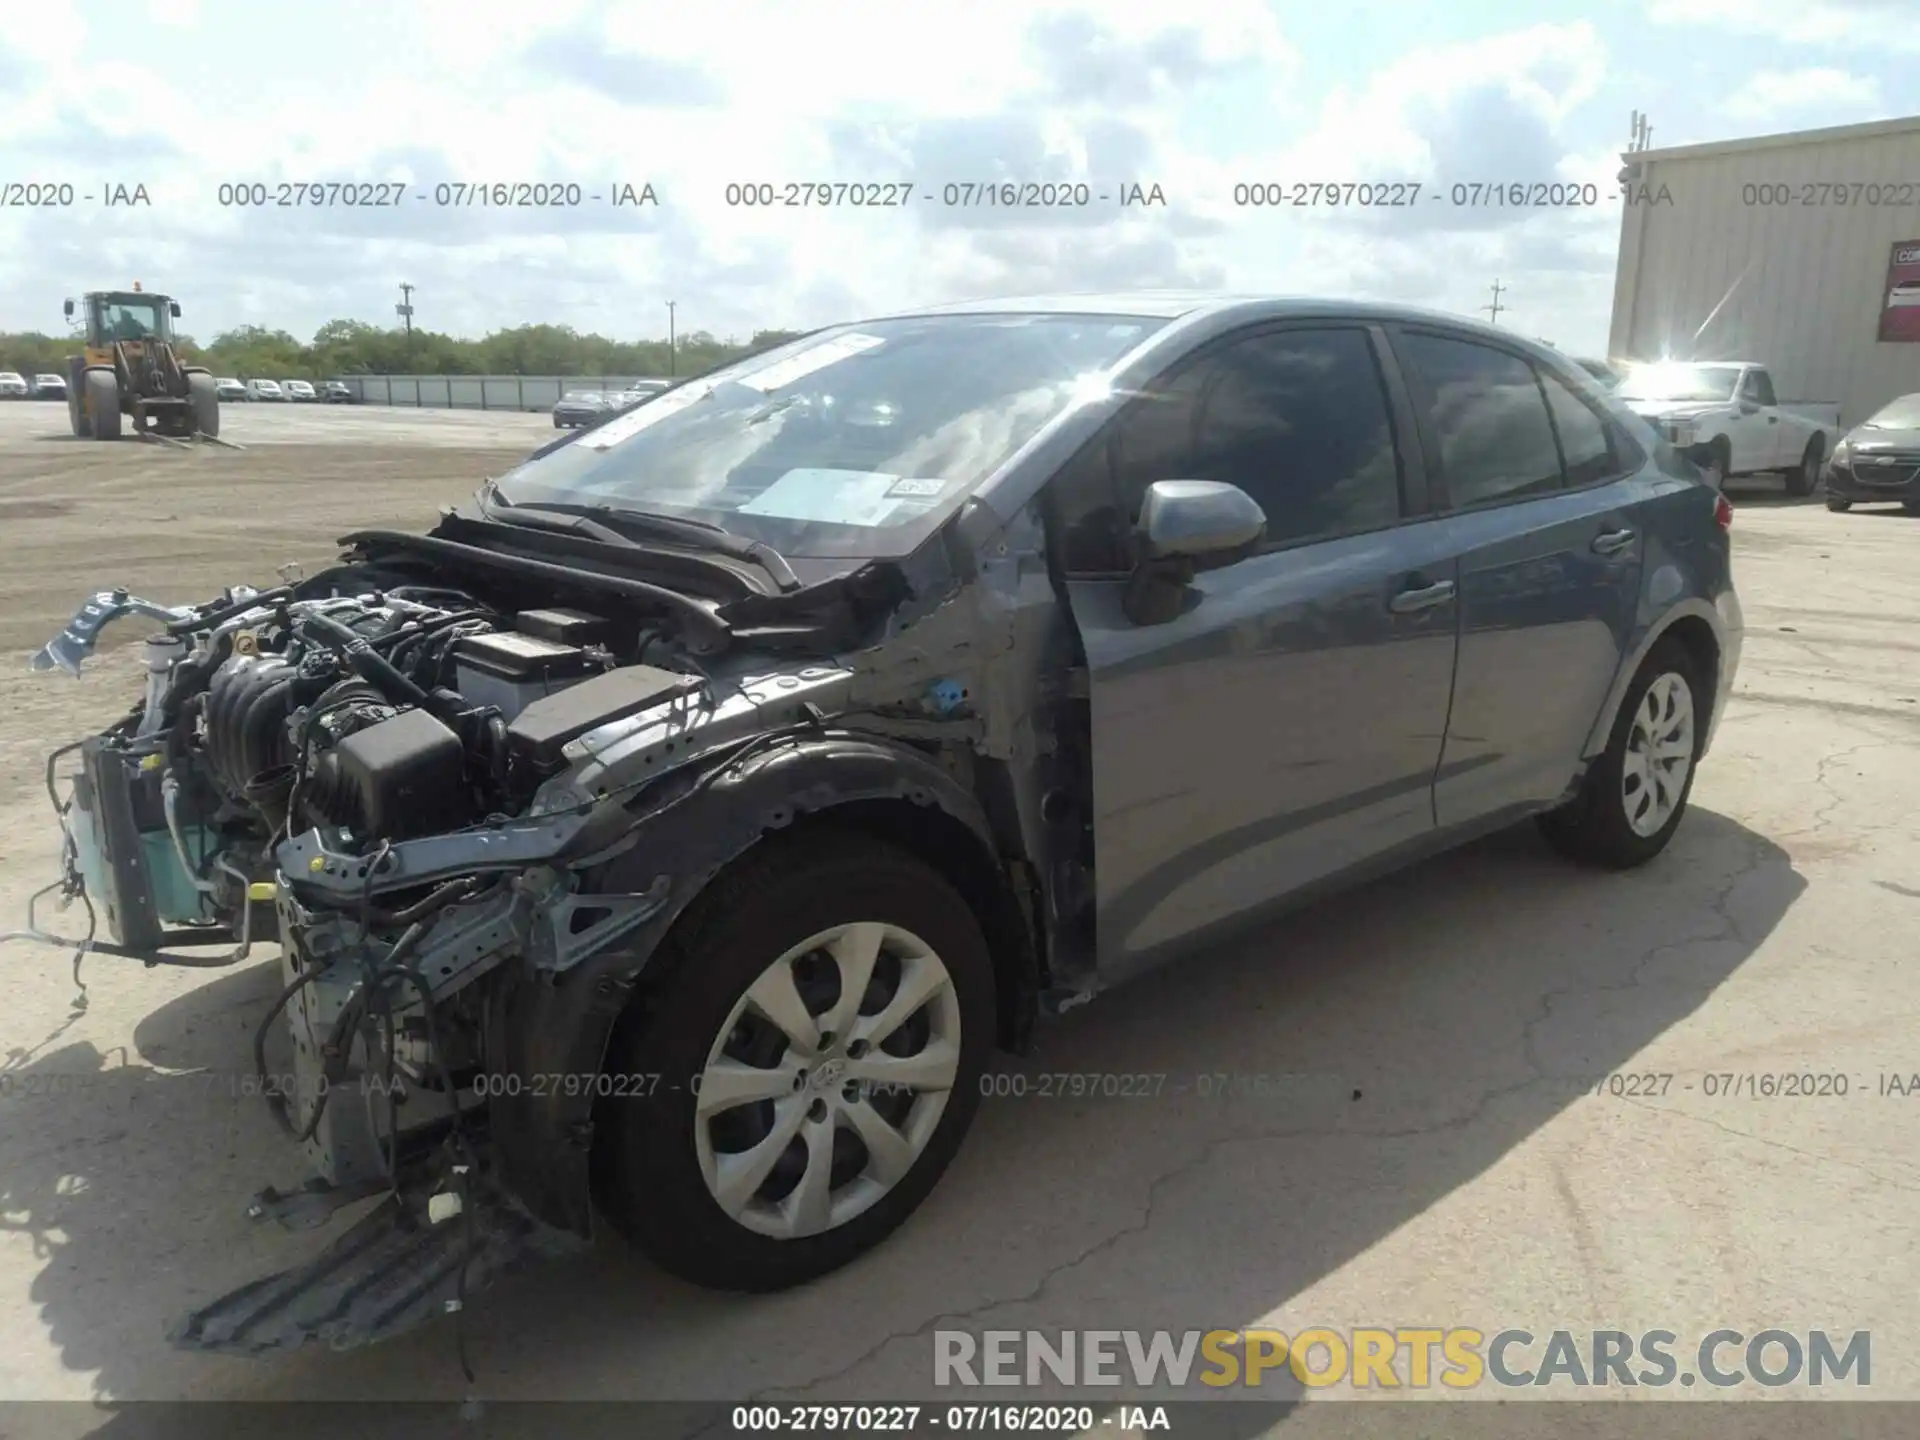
<point x="675" y="829"/>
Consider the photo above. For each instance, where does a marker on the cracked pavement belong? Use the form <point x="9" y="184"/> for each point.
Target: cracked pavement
<point x="1375" y="1114"/>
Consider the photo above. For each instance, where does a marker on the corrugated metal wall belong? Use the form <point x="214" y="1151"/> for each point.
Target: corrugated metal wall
<point x="475" y="392"/>
<point x="1727" y="271"/>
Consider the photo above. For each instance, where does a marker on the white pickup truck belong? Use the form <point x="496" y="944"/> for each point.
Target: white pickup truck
<point x="1726" y="411"/>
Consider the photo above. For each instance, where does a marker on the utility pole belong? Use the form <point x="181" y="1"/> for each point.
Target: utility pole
<point x="405" y="311"/>
<point x="671" y="370"/>
<point x="1493" y="310"/>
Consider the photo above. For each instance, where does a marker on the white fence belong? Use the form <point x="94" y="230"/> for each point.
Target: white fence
<point x="475" y="392"/>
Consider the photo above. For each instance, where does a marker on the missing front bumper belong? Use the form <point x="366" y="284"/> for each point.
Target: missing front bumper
<point x="393" y="1270"/>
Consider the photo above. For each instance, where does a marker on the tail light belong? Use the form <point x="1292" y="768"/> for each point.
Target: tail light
<point x="1722" y="513"/>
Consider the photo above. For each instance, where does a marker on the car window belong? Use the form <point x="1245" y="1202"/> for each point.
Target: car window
<point x="1586" y="447"/>
<point x="1489" y="418"/>
<point x="1296" y="418"/>
<point x="1759" y="387"/>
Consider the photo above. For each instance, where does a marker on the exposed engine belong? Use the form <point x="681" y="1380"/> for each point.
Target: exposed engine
<point x="284" y="748"/>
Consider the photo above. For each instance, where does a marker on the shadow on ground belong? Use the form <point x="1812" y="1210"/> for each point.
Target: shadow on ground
<point x="1415" y="1032"/>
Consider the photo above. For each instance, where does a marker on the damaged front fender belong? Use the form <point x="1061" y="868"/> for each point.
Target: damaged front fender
<point x="548" y="1024"/>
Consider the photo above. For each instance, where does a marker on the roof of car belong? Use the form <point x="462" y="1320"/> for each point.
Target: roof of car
<point x="1178" y="304"/>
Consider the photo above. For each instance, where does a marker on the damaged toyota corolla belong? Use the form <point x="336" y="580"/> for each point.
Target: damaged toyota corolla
<point x="673" y="831"/>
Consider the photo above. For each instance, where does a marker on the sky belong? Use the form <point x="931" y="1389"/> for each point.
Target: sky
<point x="178" y="98"/>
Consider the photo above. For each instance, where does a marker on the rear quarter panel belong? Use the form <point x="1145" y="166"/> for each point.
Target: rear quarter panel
<point x="1687" y="577"/>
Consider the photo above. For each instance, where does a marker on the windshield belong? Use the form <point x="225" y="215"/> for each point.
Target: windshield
<point x="853" y="442"/>
<point x="1679" y="382"/>
<point x="132" y="319"/>
<point x="1902" y="414"/>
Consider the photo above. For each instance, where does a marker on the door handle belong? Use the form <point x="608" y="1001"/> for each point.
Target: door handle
<point x="1422" y="598"/>
<point x="1612" y="542"/>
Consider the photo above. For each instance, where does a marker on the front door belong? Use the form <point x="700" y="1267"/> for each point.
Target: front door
<point x="1540" y="496"/>
<point x="1287" y="725"/>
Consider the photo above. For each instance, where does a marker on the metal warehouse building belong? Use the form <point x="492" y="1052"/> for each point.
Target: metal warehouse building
<point x="1800" y="252"/>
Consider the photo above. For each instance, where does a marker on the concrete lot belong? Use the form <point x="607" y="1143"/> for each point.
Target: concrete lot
<point x="1422" y="1156"/>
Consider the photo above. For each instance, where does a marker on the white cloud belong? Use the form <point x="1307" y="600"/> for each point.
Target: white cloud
<point x="1780" y="97"/>
<point x="1865" y="24"/>
<point x="693" y="98"/>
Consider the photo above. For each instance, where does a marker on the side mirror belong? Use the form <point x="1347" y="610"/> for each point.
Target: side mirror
<point x="173" y="308"/>
<point x="68" y="309"/>
<point x="1187" y="526"/>
<point x="1207" y="522"/>
<point x="1749" y="407"/>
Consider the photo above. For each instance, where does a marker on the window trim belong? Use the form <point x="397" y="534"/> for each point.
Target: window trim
<point x="1437" y="485"/>
<point x="1541" y="374"/>
<point x="1411" y="478"/>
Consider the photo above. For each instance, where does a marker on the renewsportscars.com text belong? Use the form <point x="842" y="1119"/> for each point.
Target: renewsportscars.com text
<point x="1402" y="1357"/>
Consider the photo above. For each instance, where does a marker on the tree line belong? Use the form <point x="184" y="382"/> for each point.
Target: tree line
<point x="353" y="347"/>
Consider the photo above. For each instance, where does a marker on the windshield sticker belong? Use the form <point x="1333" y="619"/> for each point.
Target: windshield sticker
<point x="815" y="357"/>
<point x="623" y="427"/>
<point x="917" y="489"/>
<point x="838" y="497"/>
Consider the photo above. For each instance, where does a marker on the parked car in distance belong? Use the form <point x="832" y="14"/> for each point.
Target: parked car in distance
<point x="1728" y="410"/>
<point x="265" y="390"/>
<point x="337" y="392"/>
<point x="50" y="387"/>
<point x="229" y="388"/>
<point x="301" y="390"/>
<point x="13" y="385"/>
<point x="1879" y="460"/>
<point x="639" y="390"/>
<point x="1333" y="586"/>
<point x="581" y="407"/>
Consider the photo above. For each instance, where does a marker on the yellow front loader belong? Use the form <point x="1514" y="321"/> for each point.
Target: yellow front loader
<point x="130" y="368"/>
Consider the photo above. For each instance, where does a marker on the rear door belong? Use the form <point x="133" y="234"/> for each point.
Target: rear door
<point x="1769" y="441"/>
<point x="1538" y="486"/>
<point x="1287" y="725"/>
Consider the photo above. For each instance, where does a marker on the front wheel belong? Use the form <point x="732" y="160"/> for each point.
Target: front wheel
<point x="1635" y="793"/>
<point x="103" y="404"/>
<point x="815" y="1055"/>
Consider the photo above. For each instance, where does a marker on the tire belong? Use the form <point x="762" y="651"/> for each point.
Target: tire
<point x="650" y="1174"/>
<point x="1912" y="507"/>
<point x="1597" y="827"/>
<point x="103" y="404"/>
<point x="1838" y="505"/>
<point x="1804" y="479"/>
<point x="204" y="396"/>
<point x="77" y="415"/>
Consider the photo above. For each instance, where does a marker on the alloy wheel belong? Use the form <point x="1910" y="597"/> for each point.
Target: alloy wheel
<point x="1653" y="773"/>
<point x="827" y="1080"/>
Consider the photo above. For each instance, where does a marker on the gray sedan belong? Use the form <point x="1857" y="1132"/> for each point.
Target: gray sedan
<point x="711" y="794"/>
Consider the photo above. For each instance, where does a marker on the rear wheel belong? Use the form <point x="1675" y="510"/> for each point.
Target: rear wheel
<point x="1635" y="793"/>
<point x="818" y="1044"/>
<point x="203" y="394"/>
<point x="103" y="404"/>
<point x="1805" y="478"/>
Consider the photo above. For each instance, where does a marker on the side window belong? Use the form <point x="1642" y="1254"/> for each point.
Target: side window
<point x="1298" y="419"/>
<point x="1758" y="388"/>
<point x="1488" y="414"/>
<point x="1585" y="445"/>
